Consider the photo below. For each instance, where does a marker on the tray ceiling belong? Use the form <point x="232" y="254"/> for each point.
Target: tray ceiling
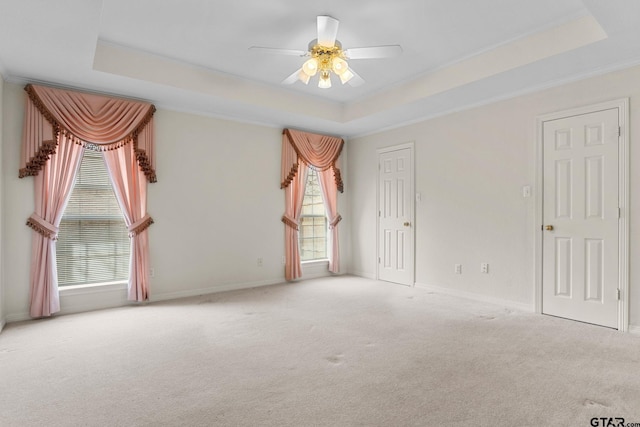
<point x="193" y="55"/>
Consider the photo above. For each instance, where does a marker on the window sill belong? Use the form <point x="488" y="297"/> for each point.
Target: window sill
<point x="92" y="288"/>
<point x="314" y="262"/>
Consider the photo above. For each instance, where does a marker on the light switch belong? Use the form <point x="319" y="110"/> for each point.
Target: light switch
<point x="526" y="191"/>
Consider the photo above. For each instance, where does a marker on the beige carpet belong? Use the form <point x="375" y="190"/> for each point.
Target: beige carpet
<point x="328" y="352"/>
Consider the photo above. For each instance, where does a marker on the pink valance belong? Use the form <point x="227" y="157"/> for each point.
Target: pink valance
<point x="107" y="122"/>
<point x="318" y="151"/>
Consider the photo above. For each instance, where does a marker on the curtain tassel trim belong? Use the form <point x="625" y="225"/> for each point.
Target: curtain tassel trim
<point x="140" y="225"/>
<point x="290" y="222"/>
<point x="141" y="156"/>
<point x="38" y="161"/>
<point x="42" y="226"/>
<point x="334" y="222"/>
<point x="338" y="179"/>
<point x="292" y="174"/>
<point x="145" y="164"/>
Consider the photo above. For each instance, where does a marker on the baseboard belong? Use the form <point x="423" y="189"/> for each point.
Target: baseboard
<point x="80" y="305"/>
<point x="363" y="274"/>
<point x="17" y="317"/>
<point x="478" y="297"/>
<point x="213" y="289"/>
<point x="634" y="329"/>
<point x="118" y="298"/>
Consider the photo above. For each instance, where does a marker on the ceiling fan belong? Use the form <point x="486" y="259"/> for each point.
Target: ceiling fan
<point x="327" y="56"/>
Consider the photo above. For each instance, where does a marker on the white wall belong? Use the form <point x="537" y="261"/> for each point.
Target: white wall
<point x="470" y="168"/>
<point x="217" y="207"/>
<point x="2" y="310"/>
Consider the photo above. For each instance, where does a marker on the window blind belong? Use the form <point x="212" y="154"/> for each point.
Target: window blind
<point x="93" y="242"/>
<point x="313" y="221"/>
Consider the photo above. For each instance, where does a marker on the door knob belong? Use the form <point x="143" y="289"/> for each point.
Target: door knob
<point x="407" y="224"/>
<point x="548" y="227"/>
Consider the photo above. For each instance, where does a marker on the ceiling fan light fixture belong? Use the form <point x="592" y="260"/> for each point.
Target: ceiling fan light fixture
<point x="325" y="56"/>
<point x="310" y="67"/>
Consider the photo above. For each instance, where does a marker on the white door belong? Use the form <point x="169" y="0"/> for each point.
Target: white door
<point x="580" y="271"/>
<point x="395" y="212"/>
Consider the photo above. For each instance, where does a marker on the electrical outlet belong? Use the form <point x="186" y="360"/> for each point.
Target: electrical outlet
<point x="458" y="268"/>
<point x="152" y="272"/>
<point x="260" y="262"/>
<point x="484" y="268"/>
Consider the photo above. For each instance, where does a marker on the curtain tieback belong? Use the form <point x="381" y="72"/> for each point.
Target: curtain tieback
<point x="42" y="226"/>
<point x="290" y="222"/>
<point x="140" y="225"/>
<point x="335" y="221"/>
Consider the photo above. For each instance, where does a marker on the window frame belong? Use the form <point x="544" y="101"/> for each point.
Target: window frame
<point x="103" y="283"/>
<point x="313" y="179"/>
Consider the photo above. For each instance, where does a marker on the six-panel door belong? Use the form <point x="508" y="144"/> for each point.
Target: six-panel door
<point x="395" y="237"/>
<point x="580" y="214"/>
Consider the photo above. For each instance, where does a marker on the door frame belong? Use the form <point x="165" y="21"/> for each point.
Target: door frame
<point x="623" y="201"/>
<point x="379" y="151"/>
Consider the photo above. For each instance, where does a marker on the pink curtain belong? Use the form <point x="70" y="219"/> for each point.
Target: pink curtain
<point x="330" y="199"/>
<point x="108" y="122"/>
<point x="294" y="194"/>
<point x="319" y="151"/>
<point x="300" y="150"/>
<point x="65" y="121"/>
<point x="53" y="187"/>
<point x="130" y="188"/>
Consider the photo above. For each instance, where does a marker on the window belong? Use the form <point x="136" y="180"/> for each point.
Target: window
<point x="93" y="242"/>
<point x="313" y="221"/>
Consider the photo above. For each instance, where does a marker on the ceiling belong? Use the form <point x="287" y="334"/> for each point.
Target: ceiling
<point x="193" y="56"/>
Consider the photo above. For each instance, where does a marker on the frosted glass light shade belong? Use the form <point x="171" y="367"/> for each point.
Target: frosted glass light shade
<point x="339" y="65"/>
<point x="346" y="76"/>
<point x="310" y="67"/>
<point x="324" y="82"/>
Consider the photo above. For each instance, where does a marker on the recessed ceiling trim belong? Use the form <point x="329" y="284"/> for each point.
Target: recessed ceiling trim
<point x="127" y="62"/>
<point x="571" y="35"/>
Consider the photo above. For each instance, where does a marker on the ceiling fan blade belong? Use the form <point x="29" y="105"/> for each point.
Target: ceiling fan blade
<point x="374" y="52"/>
<point x="327" y="30"/>
<point x="356" y="80"/>
<point x="292" y="78"/>
<point x="276" y="51"/>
